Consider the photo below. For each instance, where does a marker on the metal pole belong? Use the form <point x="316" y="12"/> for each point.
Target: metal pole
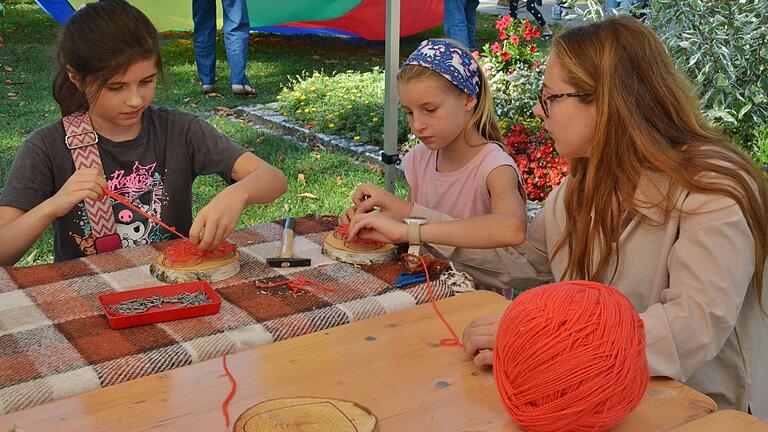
<point x="390" y="155"/>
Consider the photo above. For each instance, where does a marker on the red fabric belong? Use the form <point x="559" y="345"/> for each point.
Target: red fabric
<point x="369" y="19"/>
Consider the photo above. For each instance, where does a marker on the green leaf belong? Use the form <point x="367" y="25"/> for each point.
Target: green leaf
<point x="720" y="80"/>
<point x="744" y="109"/>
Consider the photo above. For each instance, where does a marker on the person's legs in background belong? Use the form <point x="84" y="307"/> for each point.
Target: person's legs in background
<point x="617" y="6"/>
<point x="470" y="12"/>
<point x="546" y="32"/>
<point x="237" y="27"/>
<point x="455" y="21"/>
<point x="204" y="41"/>
<point x="513" y="8"/>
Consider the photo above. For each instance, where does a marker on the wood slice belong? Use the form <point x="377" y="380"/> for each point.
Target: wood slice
<point x="306" y="414"/>
<point x="336" y="249"/>
<point x="208" y="270"/>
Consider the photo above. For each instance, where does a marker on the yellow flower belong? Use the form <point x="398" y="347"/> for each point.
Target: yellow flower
<point x="375" y="119"/>
<point x="357" y="137"/>
<point x="331" y="125"/>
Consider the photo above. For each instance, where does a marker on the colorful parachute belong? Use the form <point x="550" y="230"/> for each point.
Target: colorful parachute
<point x="361" y="18"/>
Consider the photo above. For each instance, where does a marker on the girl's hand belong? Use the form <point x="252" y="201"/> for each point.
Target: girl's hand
<point x="376" y="226"/>
<point x="216" y="221"/>
<point x="368" y="197"/>
<point x="480" y="337"/>
<point x="84" y="183"/>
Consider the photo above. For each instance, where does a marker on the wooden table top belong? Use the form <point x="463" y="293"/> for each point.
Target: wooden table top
<point x="392" y="364"/>
<point x="726" y="420"/>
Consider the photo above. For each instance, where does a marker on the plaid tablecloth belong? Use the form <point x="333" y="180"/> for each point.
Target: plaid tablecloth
<point x="55" y="341"/>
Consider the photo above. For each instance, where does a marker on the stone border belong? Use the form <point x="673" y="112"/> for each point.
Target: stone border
<point x="266" y="117"/>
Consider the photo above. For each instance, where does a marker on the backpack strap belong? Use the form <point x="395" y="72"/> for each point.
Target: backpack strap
<point x="81" y="140"/>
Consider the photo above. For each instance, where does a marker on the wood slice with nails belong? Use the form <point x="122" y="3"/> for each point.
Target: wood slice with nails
<point x="338" y="249"/>
<point x="306" y="414"/>
<point x="207" y="270"/>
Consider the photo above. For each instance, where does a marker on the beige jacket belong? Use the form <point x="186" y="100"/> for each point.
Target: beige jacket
<point x="688" y="276"/>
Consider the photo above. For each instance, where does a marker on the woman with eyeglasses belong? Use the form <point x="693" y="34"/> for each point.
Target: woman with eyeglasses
<point x="657" y="204"/>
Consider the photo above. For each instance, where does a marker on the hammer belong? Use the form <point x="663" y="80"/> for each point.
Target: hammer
<point x="286" y="258"/>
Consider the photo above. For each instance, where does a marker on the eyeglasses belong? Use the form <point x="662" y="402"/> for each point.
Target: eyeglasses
<point x="544" y="100"/>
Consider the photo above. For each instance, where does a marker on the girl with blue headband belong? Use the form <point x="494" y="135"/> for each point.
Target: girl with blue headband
<point x="465" y="190"/>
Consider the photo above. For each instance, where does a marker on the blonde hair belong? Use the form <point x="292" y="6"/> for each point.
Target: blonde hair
<point x="647" y="120"/>
<point x="484" y="117"/>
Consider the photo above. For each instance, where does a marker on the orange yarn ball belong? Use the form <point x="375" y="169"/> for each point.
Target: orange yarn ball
<point x="570" y="356"/>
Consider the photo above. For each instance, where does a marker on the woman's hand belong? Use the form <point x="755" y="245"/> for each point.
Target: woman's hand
<point x="368" y="197"/>
<point x="376" y="226"/>
<point x="480" y="337"/>
<point x="216" y="221"/>
<point x="84" y="183"/>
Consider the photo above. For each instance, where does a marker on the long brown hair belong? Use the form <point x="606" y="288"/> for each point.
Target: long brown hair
<point x="484" y="117"/>
<point x="648" y="120"/>
<point x="100" y="41"/>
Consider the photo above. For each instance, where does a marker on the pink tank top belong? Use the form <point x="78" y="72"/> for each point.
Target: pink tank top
<point x="462" y="193"/>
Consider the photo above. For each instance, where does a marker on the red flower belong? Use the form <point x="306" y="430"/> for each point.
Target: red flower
<point x="502" y="35"/>
<point x="505" y="56"/>
<point x="495" y="47"/>
<point x="533" y="151"/>
<point x="514" y="39"/>
<point x="533" y="49"/>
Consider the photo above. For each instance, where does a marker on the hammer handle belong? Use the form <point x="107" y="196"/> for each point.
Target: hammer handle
<point x="286" y="239"/>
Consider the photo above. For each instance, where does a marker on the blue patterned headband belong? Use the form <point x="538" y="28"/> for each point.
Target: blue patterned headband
<point x="450" y="61"/>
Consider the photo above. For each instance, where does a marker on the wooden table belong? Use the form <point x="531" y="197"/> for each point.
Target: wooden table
<point x="726" y="420"/>
<point x="392" y="364"/>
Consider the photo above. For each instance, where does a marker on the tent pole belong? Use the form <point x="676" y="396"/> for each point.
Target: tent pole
<point x="390" y="155"/>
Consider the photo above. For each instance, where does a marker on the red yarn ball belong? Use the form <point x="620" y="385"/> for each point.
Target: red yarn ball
<point x="570" y="356"/>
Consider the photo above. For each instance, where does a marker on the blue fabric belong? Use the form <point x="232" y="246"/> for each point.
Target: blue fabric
<point x="622" y="6"/>
<point x="449" y="60"/>
<point x="236" y="29"/>
<point x="460" y="21"/>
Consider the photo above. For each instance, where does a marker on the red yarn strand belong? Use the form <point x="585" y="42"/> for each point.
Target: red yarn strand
<point x="232" y="391"/>
<point x="454" y="341"/>
<point x="125" y="201"/>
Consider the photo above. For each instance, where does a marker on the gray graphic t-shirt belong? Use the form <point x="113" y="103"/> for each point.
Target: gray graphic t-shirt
<point x="154" y="171"/>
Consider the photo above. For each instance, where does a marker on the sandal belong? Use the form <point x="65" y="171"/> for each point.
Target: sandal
<point x="243" y="90"/>
<point x="545" y="36"/>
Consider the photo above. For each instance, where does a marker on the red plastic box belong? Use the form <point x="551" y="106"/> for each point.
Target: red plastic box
<point x="167" y="311"/>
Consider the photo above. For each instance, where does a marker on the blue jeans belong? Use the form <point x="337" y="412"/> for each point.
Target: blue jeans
<point x="236" y="29"/>
<point x="459" y="21"/>
<point x="622" y="6"/>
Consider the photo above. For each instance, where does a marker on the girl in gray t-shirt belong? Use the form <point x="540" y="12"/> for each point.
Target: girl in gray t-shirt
<point x="149" y="155"/>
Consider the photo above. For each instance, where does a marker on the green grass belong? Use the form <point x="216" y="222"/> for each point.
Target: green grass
<point x="26" y="71"/>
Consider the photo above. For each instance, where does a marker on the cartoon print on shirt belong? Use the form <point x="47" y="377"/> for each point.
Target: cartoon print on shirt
<point x="132" y="226"/>
<point x="141" y="179"/>
<point x="144" y="188"/>
<point x="86" y="244"/>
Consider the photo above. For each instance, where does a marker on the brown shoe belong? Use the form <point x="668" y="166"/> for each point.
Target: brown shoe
<point x="243" y="90"/>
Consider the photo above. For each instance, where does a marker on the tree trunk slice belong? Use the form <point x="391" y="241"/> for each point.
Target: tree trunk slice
<point x="304" y="414"/>
<point x="209" y="270"/>
<point x="336" y="249"/>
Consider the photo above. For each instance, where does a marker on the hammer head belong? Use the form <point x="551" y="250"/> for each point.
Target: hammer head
<point x="289" y="262"/>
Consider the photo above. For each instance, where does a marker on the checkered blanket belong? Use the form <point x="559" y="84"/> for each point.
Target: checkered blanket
<point x="55" y="341"/>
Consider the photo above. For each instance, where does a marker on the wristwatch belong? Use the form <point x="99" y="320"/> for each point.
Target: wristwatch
<point x="414" y="233"/>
